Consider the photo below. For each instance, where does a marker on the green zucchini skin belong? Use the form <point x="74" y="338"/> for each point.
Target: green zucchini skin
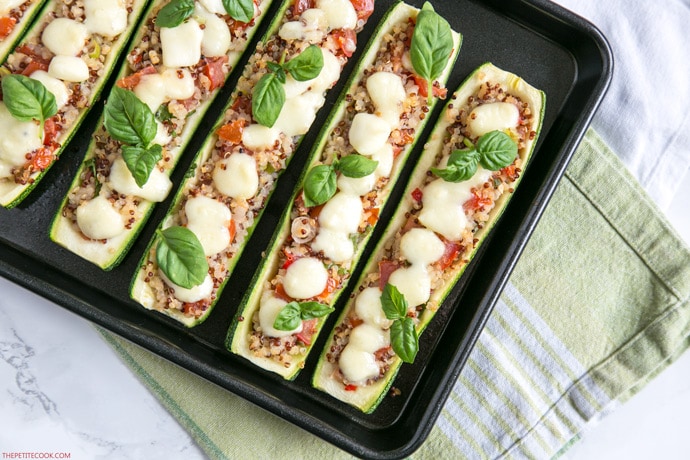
<point x="8" y="43"/>
<point x="12" y="194"/>
<point x="241" y="328"/>
<point x="107" y="255"/>
<point x="140" y="291"/>
<point x="367" y="398"/>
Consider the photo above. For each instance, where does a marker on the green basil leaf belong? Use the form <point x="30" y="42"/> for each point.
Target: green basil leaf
<point x="180" y="256"/>
<point x="289" y="317"/>
<point x="141" y="161"/>
<point x="127" y="119"/>
<point x="356" y="165"/>
<point x="91" y="165"/>
<point x="174" y="13"/>
<point x="497" y="150"/>
<point x="311" y="310"/>
<point x="163" y="113"/>
<point x="404" y="339"/>
<point x="462" y="164"/>
<point x="320" y="185"/>
<point x="240" y="10"/>
<point x="306" y="65"/>
<point x="268" y="98"/>
<point x="393" y="302"/>
<point x="27" y="99"/>
<point x="432" y="43"/>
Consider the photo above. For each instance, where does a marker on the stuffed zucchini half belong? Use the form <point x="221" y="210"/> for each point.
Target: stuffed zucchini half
<point x="335" y="208"/>
<point x="197" y="244"/>
<point x="174" y="69"/>
<point x="50" y="82"/>
<point x="15" y="18"/>
<point x="457" y="191"/>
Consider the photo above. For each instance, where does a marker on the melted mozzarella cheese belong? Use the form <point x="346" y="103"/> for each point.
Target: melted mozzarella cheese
<point x="305" y="278"/>
<point x="65" y="37"/>
<point x="151" y="91"/>
<point x="269" y="310"/>
<point x="98" y="220"/>
<point x="368" y="308"/>
<point x="385" y="158"/>
<point x="56" y="87"/>
<point x="68" y="68"/>
<point x="5" y="169"/>
<point x="298" y="113"/>
<point x="311" y="27"/>
<point x="335" y="245"/>
<point x="7" y="5"/>
<point x="156" y="89"/>
<point x="106" y="17"/>
<point x="216" y="38"/>
<point x="388" y="94"/>
<point x="179" y="83"/>
<point x="236" y="176"/>
<point x="155" y="189"/>
<point x="343" y="213"/>
<point x="181" y="45"/>
<point x="18" y="137"/>
<point x="209" y="219"/>
<point x="259" y="137"/>
<point x="421" y="246"/>
<point x="369" y="338"/>
<point x="368" y="133"/>
<point x="213" y="6"/>
<point x="356" y="185"/>
<point x="413" y="282"/>
<point x="195" y="294"/>
<point x="493" y="116"/>
<point x="340" y="14"/>
<point x="357" y="365"/>
<point x="330" y="72"/>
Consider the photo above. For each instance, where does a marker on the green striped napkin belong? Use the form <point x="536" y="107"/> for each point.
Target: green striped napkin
<point x="596" y="307"/>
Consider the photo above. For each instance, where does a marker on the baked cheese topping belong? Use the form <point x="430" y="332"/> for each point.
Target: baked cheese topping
<point x="7" y="5"/>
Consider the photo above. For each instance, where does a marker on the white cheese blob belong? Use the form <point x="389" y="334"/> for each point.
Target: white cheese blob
<point x="311" y="27"/>
<point x="368" y="308"/>
<point x="299" y="113"/>
<point x="357" y="365"/>
<point x="216" y="38"/>
<point x="179" y="83"/>
<point x="413" y="282"/>
<point x="388" y="94"/>
<point x="357" y="185"/>
<point x="343" y="213"/>
<point x="18" y="137"/>
<point x="98" y="220"/>
<point x="493" y="116"/>
<point x="181" y="45"/>
<point x="65" y="37"/>
<point x="259" y="137"/>
<point x="106" y="17"/>
<point x="335" y="245"/>
<point x="421" y="246"/>
<point x="236" y="176"/>
<point x="369" y="338"/>
<point x="340" y="14"/>
<point x="385" y="158"/>
<point x="368" y="133"/>
<point x="213" y="6"/>
<point x="5" y="169"/>
<point x="305" y="278"/>
<point x="56" y="87"/>
<point x="209" y="219"/>
<point x="269" y="310"/>
<point x="195" y="294"/>
<point x="68" y="68"/>
<point x="7" y="5"/>
<point x="162" y="136"/>
<point x="156" y="89"/>
<point x="155" y="189"/>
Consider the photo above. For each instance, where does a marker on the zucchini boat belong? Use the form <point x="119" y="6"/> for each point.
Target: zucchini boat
<point x="458" y="189"/>
<point x="174" y="69"/>
<point x="351" y="171"/>
<point x="15" y="18"/>
<point x="198" y="243"/>
<point x="68" y="54"/>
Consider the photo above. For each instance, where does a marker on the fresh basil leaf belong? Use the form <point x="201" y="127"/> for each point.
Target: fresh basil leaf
<point x="180" y="256"/>
<point x="432" y="43"/>
<point x="240" y="10"/>
<point x="91" y="165"/>
<point x="27" y="99"/>
<point x="320" y="185"/>
<point x="268" y="98"/>
<point x="306" y="65"/>
<point x="356" y="165"/>
<point x="311" y="310"/>
<point x="404" y="339"/>
<point x="174" y="13"/>
<point x="497" y="150"/>
<point x="163" y="113"/>
<point x="141" y="161"/>
<point x="127" y="119"/>
<point x="274" y="67"/>
<point x="289" y="317"/>
<point x="462" y="164"/>
<point x="393" y="302"/>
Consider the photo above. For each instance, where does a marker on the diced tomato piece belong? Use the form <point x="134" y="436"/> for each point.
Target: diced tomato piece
<point x="475" y="202"/>
<point x="33" y="66"/>
<point x="316" y="211"/>
<point x="373" y="216"/>
<point x="386" y="268"/>
<point x="346" y="40"/>
<point x="381" y="353"/>
<point x="281" y="294"/>
<point x="364" y="8"/>
<point x="131" y="81"/>
<point x="511" y="172"/>
<point x="350" y="387"/>
<point x="451" y="252"/>
<point x="424" y="88"/>
<point x="7" y="26"/>
<point x="308" y="330"/>
<point x="232" y="132"/>
<point x="232" y="229"/>
<point x="215" y="70"/>
<point x="354" y="322"/>
<point x="242" y="104"/>
<point x="330" y="287"/>
<point x="396" y="150"/>
<point x="417" y="195"/>
<point x="50" y="131"/>
<point x="289" y="259"/>
<point x="301" y="6"/>
<point x="43" y="157"/>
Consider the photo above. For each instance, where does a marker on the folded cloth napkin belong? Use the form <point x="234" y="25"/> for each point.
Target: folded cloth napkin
<point x="598" y="304"/>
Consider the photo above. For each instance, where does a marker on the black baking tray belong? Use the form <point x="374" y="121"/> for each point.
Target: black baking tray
<point x="551" y="48"/>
